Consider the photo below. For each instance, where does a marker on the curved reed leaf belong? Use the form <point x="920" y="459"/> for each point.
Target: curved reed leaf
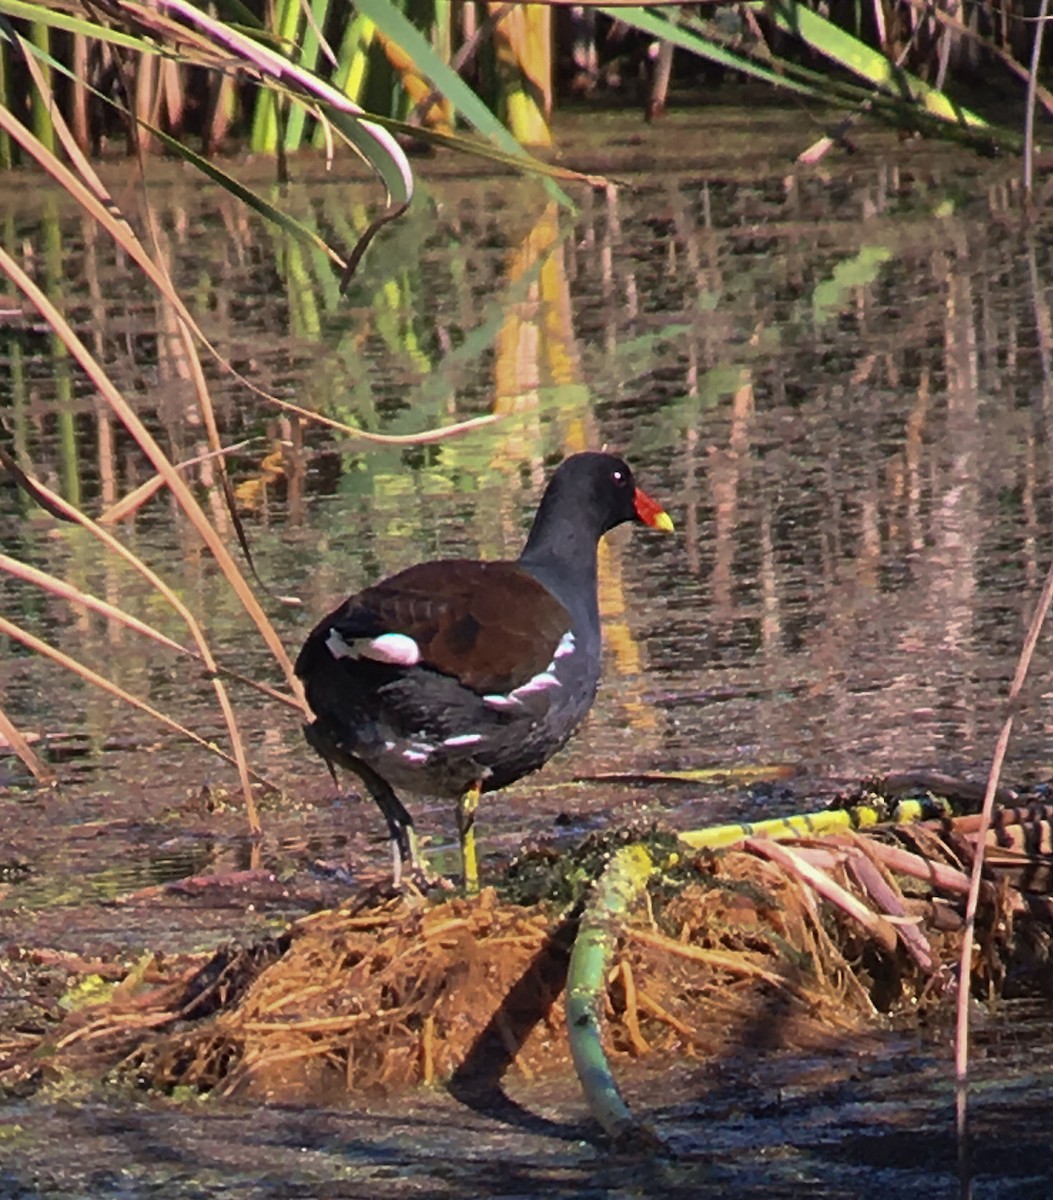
<point x="204" y="40"/>
<point x="475" y="146"/>
<point x="856" y="56"/>
<point x="97" y="201"/>
<point x="288" y="224"/>
<point x="46" y="15"/>
<point x="660" y="26"/>
<point x="379" y="149"/>
<point x="251" y="199"/>
<point x="393" y="24"/>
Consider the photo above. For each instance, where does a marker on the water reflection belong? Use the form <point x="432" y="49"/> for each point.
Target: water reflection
<point x="838" y="381"/>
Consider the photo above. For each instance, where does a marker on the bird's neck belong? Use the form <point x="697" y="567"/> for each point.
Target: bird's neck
<point x="562" y="556"/>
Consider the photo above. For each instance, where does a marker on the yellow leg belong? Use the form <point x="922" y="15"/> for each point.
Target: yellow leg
<point x="466" y="807"/>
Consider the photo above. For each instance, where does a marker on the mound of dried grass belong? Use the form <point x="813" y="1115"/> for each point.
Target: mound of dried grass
<point x="381" y="997"/>
<point x="363" y="1000"/>
<point x="761" y="945"/>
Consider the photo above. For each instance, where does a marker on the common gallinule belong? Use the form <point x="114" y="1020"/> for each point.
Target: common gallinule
<point x="457" y="677"/>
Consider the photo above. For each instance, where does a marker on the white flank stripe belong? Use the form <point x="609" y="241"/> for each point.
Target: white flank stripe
<point x="536" y="683"/>
<point x="463" y="739"/>
<point x="417" y="752"/>
<point x="565" y="647"/>
<point x="394" y="648"/>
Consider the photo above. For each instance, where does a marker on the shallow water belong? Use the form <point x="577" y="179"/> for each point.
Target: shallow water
<point x="872" y="1118"/>
<point x="836" y="378"/>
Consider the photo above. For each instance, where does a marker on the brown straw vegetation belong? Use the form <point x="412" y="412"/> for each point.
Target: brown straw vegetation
<point x="761" y="945"/>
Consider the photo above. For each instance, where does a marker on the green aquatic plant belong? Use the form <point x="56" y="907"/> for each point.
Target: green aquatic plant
<point x="426" y="66"/>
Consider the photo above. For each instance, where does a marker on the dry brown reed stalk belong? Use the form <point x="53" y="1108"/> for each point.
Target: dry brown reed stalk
<point x="427" y="1050"/>
<point x="826" y="887"/>
<point x="186" y="500"/>
<point x="65" y="510"/>
<point x="734" y="964"/>
<point x="1004" y="818"/>
<point x="40" y="771"/>
<point x="961" y="1044"/>
<point x="638" y="1044"/>
<point x="647" y="1004"/>
<point x="1032" y="97"/>
<point x="32" y="642"/>
<point x="132" y="501"/>
<point x="62" y="508"/>
<point x="728" y="934"/>
<point x="68" y="591"/>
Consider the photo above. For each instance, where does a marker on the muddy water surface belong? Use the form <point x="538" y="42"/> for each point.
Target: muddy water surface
<point x="837" y="379"/>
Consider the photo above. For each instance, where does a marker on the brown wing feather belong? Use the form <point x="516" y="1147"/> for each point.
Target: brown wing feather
<point x="489" y="624"/>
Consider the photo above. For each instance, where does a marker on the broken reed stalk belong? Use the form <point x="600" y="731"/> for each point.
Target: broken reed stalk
<point x="68" y="591"/>
<point x="961" y="1033"/>
<point x="871" y="880"/>
<point x="821" y="883"/>
<point x="624" y="877"/>
<point x="803" y="825"/>
<point x="905" y="862"/>
<point x="40" y="771"/>
<point x="852" y="852"/>
<point x="132" y="501"/>
<point x="31" y="642"/>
